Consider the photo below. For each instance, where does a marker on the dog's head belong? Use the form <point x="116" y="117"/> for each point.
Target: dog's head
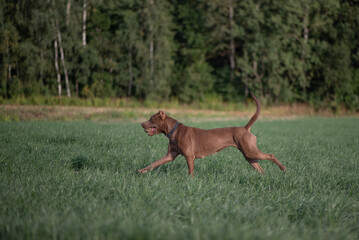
<point x="155" y="124"/>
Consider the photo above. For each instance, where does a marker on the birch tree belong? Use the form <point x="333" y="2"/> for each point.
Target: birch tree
<point x="84" y="15"/>
<point x="58" y="45"/>
<point x="154" y="51"/>
<point x="57" y="67"/>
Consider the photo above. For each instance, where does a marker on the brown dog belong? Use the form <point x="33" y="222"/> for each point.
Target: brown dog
<point x="195" y="143"/>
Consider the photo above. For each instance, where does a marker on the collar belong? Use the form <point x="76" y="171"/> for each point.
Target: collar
<point x="169" y="135"/>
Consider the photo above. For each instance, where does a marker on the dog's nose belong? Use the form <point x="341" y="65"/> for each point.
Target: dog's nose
<point x="143" y="124"/>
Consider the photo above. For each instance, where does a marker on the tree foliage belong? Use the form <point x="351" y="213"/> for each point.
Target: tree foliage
<point x="283" y="51"/>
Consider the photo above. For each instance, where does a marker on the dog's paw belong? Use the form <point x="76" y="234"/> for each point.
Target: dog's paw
<point x="143" y="170"/>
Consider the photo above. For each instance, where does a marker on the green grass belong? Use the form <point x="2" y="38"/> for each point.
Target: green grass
<point x="78" y="180"/>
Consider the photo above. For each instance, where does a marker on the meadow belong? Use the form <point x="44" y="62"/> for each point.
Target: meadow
<point x="79" y="180"/>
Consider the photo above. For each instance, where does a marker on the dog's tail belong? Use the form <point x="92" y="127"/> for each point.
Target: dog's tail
<point x="255" y="116"/>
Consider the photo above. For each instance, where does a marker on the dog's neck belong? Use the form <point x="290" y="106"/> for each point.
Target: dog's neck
<point x="169" y="135"/>
<point x="169" y="126"/>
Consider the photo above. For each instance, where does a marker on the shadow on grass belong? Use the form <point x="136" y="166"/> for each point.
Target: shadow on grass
<point x="78" y="163"/>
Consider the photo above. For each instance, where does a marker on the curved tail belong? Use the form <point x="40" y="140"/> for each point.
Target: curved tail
<point x="255" y="116"/>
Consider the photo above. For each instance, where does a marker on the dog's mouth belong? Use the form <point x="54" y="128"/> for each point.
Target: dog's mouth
<point x="151" y="131"/>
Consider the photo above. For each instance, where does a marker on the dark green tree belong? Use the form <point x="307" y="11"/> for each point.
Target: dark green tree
<point x="193" y="74"/>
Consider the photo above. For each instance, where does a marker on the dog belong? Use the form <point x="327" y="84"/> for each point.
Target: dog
<point x="195" y="143"/>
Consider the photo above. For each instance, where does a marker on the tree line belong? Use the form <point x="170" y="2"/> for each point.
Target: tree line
<point x="283" y="50"/>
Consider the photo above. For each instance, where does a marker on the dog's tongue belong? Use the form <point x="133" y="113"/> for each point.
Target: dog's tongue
<point x="152" y="130"/>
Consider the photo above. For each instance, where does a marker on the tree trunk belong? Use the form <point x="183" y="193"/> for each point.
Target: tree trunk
<point x="258" y="77"/>
<point x="305" y="42"/>
<point x="42" y="68"/>
<point x="17" y="68"/>
<point x="63" y="62"/>
<point x="57" y="68"/>
<point x="58" y="44"/>
<point x="246" y="89"/>
<point x="84" y="13"/>
<point x="68" y="10"/>
<point x="10" y="77"/>
<point x="56" y="57"/>
<point x="130" y="70"/>
<point x="152" y="68"/>
<point x="232" y="46"/>
<point x="305" y="35"/>
<point x="77" y="87"/>
<point x="9" y="63"/>
<point x="151" y="61"/>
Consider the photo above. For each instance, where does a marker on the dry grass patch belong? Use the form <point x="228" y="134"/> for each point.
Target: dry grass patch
<point x="71" y="113"/>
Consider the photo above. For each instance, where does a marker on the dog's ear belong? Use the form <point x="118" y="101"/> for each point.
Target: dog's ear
<point x="162" y="114"/>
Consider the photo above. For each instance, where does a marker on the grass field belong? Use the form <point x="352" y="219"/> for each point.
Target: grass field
<point x="78" y="180"/>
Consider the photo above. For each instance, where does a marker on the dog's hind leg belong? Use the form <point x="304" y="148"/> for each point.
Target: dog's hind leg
<point x="272" y="158"/>
<point x="264" y="156"/>
<point x="255" y="165"/>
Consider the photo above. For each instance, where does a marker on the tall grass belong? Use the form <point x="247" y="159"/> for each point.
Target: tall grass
<point x="78" y="180"/>
<point x="208" y="103"/>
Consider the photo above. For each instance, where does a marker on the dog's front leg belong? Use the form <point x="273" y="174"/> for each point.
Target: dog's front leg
<point x="170" y="156"/>
<point x="190" y="164"/>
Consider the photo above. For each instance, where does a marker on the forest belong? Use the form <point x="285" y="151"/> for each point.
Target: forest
<point x="284" y="51"/>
